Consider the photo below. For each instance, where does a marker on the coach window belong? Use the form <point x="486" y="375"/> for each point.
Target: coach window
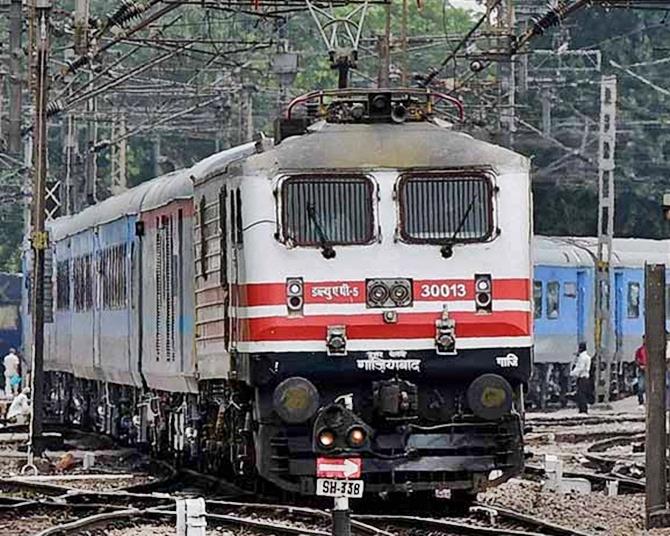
<point x="553" y="299"/>
<point x="537" y="298"/>
<point x="633" y="300"/>
<point x="63" y="285"/>
<point x="667" y="301"/>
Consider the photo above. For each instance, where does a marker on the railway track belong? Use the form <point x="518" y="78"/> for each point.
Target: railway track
<point x="87" y="510"/>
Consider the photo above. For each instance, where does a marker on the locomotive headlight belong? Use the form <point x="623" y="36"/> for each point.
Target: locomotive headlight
<point x="490" y="397"/>
<point x="400" y="294"/>
<point x="383" y="293"/>
<point x="356" y="437"/>
<point x="483" y="293"/>
<point x="295" y="289"/>
<point x="483" y="285"/>
<point x="295" y="400"/>
<point x="326" y="438"/>
<point x="378" y="293"/>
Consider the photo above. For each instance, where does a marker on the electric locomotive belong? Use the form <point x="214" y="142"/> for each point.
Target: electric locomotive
<point x="377" y="278"/>
<point x="356" y="289"/>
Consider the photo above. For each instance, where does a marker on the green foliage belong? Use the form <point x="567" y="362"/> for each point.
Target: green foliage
<point x="627" y="37"/>
<point x="643" y="139"/>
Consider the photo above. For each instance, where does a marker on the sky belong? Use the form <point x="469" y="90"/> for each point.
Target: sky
<point x="468" y="4"/>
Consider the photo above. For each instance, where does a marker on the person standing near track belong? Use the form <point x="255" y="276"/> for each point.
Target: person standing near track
<point x="12" y="377"/>
<point x="641" y="362"/>
<point x="581" y="371"/>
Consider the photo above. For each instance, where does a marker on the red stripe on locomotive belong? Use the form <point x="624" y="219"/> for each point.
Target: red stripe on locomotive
<point x="372" y="326"/>
<point x="258" y="294"/>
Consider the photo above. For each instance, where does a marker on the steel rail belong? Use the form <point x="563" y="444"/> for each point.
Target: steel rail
<point x="546" y="526"/>
<point x="311" y="512"/>
<point x="271" y="527"/>
<point x="537" y="526"/>
<point x="444" y="525"/>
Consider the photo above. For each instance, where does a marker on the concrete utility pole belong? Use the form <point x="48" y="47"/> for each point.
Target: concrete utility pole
<point x="69" y="137"/>
<point x="247" y="112"/>
<point x="40" y="13"/>
<point x="655" y="444"/>
<point x="90" y="156"/>
<point x="14" y="144"/>
<point x="606" y="165"/>
<point x="404" y="76"/>
<point x="384" y="50"/>
<point x="119" y="155"/>
<point x="81" y="16"/>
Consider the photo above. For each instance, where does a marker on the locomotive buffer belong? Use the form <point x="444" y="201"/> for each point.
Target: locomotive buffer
<point x="339" y="478"/>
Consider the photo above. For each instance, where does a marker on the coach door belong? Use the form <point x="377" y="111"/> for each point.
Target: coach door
<point x="224" y="280"/>
<point x="97" y="298"/>
<point x="581" y="306"/>
<point x="236" y="241"/>
<point x="619" y="300"/>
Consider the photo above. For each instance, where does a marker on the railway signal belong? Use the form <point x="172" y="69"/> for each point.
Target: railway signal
<point x="335" y="479"/>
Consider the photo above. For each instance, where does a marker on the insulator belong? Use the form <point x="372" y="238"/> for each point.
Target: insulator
<point x="128" y="10"/>
<point x="54" y="107"/>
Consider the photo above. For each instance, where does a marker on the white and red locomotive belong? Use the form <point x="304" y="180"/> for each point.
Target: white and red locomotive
<point x="361" y="287"/>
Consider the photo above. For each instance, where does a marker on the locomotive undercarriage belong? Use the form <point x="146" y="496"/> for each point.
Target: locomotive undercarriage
<point x="420" y="432"/>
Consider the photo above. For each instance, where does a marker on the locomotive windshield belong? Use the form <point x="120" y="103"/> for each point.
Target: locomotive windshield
<point x="327" y="210"/>
<point x="445" y="208"/>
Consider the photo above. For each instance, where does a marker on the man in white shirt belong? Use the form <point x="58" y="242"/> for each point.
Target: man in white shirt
<point x="12" y="378"/>
<point x="581" y="370"/>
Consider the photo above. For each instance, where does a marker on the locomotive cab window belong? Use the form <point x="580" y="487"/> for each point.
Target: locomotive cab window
<point x="320" y="210"/>
<point x="445" y="208"/>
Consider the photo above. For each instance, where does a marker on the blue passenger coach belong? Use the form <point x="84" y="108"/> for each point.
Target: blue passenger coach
<point x="564" y="307"/>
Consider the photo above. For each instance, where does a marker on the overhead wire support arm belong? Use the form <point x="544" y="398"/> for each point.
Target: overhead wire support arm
<point x="343" y="59"/>
<point x="434" y="72"/>
<point x="82" y="60"/>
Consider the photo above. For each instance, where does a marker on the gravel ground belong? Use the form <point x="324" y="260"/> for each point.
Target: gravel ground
<point x="28" y="524"/>
<point x="594" y="513"/>
<point x="568" y="438"/>
<point x="155" y="530"/>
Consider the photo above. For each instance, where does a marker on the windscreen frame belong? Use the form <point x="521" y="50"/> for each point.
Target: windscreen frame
<point x="283" y="215"/>
<point x="485" y="176"/>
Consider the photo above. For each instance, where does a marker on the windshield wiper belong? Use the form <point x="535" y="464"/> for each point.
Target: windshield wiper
<point x="326" y="249"/>
<point x="448" y="249"/>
